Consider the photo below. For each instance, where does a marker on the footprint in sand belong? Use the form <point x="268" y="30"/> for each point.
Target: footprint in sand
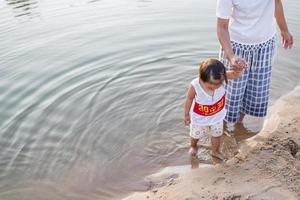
<point x="218" y="180"/>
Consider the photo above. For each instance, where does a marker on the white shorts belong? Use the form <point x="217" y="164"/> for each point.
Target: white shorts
<point x="205" y="132"/>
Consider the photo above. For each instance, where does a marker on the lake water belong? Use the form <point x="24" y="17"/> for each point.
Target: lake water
<point x="92" y="91"/>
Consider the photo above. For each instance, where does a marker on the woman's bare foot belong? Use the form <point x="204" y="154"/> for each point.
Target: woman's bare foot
<point x="193" y="151"/>
<point x="217" y="155"/>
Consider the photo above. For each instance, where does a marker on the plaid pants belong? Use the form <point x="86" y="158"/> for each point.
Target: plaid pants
<point x="249" y="93"/>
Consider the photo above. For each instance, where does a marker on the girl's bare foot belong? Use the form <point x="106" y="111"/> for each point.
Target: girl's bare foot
<point x="193" y="151"/>
<point x="194" y="162"/>
<point x="217" y="155"/>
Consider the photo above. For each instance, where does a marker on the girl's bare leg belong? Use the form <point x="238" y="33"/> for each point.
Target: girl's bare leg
<point x="193" y="150"/>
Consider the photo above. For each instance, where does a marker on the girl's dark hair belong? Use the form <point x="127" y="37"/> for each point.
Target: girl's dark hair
<point x="213" y="71"/>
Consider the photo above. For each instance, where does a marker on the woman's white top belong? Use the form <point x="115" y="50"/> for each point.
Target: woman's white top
<point x="206" y="109"/>
<point x="250" y="21"/>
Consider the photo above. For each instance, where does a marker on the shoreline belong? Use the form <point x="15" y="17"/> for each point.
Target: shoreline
<point x="266" y="167"/>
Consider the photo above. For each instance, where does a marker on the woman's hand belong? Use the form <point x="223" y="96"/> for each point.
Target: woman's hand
<point x="286" y="36"/>
<point x="237" y="63"/>
<point x="287" y="39"/>
<point x="187" y="119"/>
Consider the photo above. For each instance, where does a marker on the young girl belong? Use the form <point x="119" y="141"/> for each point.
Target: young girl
<point x="208" y="112"/>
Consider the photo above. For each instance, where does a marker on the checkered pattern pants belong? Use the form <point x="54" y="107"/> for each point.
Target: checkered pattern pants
<point x="249" y="93"/>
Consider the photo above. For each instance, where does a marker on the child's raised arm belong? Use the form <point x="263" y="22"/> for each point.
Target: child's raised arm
<point x="231" y="74"/>
<point x="188" y="103"/>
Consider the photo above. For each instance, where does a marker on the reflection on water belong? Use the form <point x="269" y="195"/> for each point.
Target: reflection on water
<point x="23" y="7"/>
<point x="29" y="9"/>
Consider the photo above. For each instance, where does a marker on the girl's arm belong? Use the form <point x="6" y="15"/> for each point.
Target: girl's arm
<point x="188" y="103"/>
<point x="224" y="38"/>
<point x="287" y="38"/>
<point x="231" y="74"/>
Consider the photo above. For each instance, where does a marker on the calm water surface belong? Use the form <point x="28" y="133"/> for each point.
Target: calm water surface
<point x="92" y="91"/>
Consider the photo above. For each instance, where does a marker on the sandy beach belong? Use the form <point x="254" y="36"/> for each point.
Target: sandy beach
<point x="266" y="167"/>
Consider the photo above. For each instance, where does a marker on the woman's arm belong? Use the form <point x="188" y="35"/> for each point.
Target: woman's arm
<point x="224" y="38"/>
<point x="287" y="38"/>
<point x="188" y="103"/>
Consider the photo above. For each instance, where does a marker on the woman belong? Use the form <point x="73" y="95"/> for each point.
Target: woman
<point x="247" y="33"/>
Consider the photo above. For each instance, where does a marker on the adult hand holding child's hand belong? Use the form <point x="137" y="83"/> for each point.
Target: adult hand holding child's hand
<point x="237" y="63"/>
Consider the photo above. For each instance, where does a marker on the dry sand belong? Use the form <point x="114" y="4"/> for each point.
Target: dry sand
<point x="266" y="167"/>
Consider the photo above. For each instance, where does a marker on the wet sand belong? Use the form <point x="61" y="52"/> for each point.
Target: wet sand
<point x="267" y="166"/>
